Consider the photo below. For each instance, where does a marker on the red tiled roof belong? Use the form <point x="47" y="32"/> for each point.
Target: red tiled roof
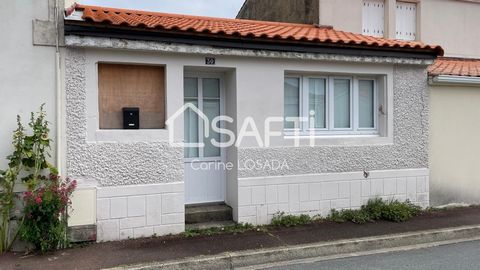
<point x="242" y="28"/>
<point x="455" y="67"/>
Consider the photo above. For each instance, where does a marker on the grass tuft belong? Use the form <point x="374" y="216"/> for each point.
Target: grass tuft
<point x="377" y="209"/>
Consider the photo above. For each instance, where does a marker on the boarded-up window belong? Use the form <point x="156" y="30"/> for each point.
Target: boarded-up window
<point x="121" y="86"/>
<point x="406" y="21"/>
<point x="373" y="18"/>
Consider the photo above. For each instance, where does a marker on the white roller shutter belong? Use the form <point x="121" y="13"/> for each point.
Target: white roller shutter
<point x="406" y="21"/>
<point x="373" y="18"/>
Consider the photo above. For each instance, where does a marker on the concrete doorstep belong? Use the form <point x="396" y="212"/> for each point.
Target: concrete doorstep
<point x="255" y="259"/>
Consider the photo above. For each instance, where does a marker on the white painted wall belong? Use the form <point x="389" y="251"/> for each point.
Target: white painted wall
<point x="27" y="72"/>
<point x="248" y="81"/>
<point x="454" y="144"/>
<point x="453" y="24"/>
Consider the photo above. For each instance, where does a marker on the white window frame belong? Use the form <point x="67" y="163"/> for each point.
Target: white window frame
<point x="330" y="130"/>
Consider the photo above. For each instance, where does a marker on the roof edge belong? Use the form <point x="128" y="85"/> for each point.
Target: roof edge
<point x="90" y="42"/>
<point x="128" y="33"/>
<point x="454" y="80"/>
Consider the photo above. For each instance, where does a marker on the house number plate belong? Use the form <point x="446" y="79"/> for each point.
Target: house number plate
<point x="209" y="60"/>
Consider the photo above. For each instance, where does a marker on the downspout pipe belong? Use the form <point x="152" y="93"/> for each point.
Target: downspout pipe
<point x="59" y="94"/>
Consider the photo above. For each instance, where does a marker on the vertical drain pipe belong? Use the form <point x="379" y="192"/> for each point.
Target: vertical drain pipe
<point x="59" y="94"/>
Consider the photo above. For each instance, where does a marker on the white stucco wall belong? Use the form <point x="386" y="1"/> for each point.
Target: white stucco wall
<point x="143" y="159"/>
<point x="27" y="72"/>
<point x="454" y="144"/>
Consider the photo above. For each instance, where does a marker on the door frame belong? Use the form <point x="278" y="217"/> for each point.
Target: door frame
<point x="223" y="152"/>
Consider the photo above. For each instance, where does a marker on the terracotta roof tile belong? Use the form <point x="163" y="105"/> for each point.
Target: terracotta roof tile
<point x="240" y="28"/>
<point x="455" y="67"/>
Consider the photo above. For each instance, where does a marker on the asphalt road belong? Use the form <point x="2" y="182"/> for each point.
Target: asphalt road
<point x="462" y="256"/>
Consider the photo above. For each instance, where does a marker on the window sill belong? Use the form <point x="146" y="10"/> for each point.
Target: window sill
<point x="341" y="139"/>
<point x="131" y="135"/>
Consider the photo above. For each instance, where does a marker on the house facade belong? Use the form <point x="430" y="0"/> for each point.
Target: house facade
<point x="314" y="118"/>
<point x="453" y="81"/>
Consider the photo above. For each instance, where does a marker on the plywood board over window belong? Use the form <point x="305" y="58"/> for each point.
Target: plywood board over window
<point x="121" y="86"/>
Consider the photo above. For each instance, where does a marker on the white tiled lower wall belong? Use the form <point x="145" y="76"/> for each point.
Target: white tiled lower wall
<point x="140" y="211"/>
<point x="262" y="197"/>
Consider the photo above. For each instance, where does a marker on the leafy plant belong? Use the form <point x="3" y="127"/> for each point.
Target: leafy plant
<point x="35" y="150"/>
<point x="46" y="213"/>
<point x="46" y="201"/>
<point x="374" y="208"/>
<point x="281" y="219"/>
<point x="400" y="212"/>
<point x="357" y="216"/>
<point x="8" y="180"/>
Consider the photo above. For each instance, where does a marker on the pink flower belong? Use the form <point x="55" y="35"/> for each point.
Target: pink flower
<point x="38" y="200"/>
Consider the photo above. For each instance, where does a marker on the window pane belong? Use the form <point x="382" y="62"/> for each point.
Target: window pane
<point x="191" y="129"/>
<point x="211" y="108"/>
<point x="291" y="103"/>
<point x="316" y="100"/>
<point x="366" y="104"/>
<point x="211" y="88"/>
<point x="341" y="88"/>
<point x="191" y="87"/>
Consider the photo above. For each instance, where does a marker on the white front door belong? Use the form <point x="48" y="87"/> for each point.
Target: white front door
<point x="204" y="170"/>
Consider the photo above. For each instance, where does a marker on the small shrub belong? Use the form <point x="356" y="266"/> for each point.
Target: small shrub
<point x="281" y="219"/>
<point x="336" y="216"/>
<point x="46" y="215"/>
<point x="356" y="216"/>
<point x="400" y="212"/>
<point x="374" y="208"/>
<point x="377" y="209"/>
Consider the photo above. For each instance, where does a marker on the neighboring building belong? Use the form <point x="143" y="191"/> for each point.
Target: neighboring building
<point x="451" y="23"/>
<point x="28" y="69"/>
<point x="369" y="97"/>
<point x="454" y="125"/>
<point x="454" y="82"/>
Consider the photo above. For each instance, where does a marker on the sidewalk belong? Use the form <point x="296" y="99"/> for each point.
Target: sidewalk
<point x="107" y="255"/>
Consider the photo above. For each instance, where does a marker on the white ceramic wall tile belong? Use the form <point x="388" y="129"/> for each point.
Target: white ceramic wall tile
<point x="318" y="194"/>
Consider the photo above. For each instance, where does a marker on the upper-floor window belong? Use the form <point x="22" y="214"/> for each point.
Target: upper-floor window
<point x="330" y="105"/>
<point x="406" y="21"/>
<point x="373" y="22"/>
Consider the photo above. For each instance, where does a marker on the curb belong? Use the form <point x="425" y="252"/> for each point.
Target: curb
<point x="247" y="258"/>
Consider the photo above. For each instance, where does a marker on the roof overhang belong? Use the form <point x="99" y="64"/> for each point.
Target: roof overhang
<point x="81" y="28"/>
<point x="105" y="22"/>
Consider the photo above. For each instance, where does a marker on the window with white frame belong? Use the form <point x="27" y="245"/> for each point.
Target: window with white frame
<point x="406" y="21"/>
<point x="330" y="105"/>
<point x="373" y="18"/>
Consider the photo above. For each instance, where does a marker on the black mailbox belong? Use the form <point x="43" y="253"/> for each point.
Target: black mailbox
<point x="131" y="118"/>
